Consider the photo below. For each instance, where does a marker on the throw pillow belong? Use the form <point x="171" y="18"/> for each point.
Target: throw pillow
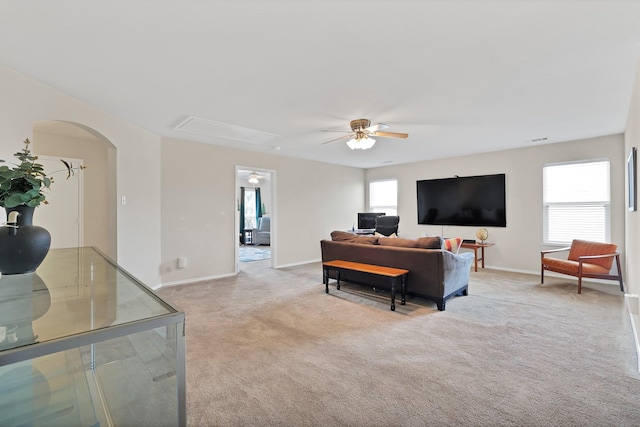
<point x="452" y="245"/>
<point x="382" y="235"/>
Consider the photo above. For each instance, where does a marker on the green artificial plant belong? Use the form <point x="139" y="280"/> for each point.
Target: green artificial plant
<point x="24" y="183"/>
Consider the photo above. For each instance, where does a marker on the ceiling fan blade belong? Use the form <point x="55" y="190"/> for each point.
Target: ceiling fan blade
<point x="377" y="127"/>
<point x="351" y="135"/>
<point x="390" y="134"/>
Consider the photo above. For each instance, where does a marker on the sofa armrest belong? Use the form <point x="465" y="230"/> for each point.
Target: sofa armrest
<point x="457" y="268"/>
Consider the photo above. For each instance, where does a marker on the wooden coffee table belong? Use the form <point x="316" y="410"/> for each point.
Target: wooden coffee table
<point x="395" y="275"/>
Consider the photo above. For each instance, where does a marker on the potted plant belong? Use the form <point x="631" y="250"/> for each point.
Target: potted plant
<point x="24" y="183"/>
<point x="23" y="246"/>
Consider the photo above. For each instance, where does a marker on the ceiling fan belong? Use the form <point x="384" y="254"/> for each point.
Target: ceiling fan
<point x="361" y="133"/>
<point x="254" y="178"/>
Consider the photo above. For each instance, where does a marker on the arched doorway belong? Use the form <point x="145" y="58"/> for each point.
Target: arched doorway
<point x="98" y="195"/>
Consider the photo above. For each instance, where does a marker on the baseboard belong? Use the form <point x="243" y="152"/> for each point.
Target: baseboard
<point x="632" y="303"/>
<point x="190" y="281"/>
<point x="298" y="263"/>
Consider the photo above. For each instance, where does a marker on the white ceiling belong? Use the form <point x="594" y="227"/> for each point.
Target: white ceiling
<point x="460" y="77"/>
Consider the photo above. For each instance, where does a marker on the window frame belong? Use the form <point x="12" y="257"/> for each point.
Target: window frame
<point x="605" y="204"/>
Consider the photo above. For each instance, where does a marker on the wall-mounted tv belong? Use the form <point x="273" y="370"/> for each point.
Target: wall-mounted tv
<point x="367" y="220"/>
<point x="465" y="200"/>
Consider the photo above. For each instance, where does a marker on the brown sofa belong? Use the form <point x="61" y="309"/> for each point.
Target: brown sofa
<point x="434" y="273"/>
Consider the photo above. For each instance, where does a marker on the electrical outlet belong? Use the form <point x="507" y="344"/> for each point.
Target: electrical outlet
<point x="182" y="262"/>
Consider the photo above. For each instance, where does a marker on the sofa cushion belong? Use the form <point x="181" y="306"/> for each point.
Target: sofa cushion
<point x="366" y="240"/>
<point x="344" y="236"/>
<point x="584" y="248"/>
<point x="571" y="267"/>
<point x="421" y="242"/>
<point x="429" y="242"/>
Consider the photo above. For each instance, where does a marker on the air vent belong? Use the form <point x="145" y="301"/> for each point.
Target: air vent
<point x="539" y="140"/>
<point x="225" y="131"/>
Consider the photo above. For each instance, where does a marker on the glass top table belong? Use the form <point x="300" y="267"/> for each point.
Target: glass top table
<point x="75" y="291"/>
<point x="83" y="342"/>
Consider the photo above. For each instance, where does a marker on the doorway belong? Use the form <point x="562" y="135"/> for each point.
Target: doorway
<point x="89" y="194"/>
<point x="62" y="216"/>
<point x="255" y="219"/>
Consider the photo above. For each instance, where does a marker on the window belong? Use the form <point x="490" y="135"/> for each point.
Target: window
<point x="250" y="208"/>
<point x="383" y="196"/>
<point x="576" y="202"/>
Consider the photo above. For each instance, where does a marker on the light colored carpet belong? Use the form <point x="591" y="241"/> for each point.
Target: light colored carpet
<point x="254" y="253"/>
<point x="270" y="348"/>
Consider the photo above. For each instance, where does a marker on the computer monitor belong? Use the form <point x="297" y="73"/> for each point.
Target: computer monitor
<point x="367" y="220"/>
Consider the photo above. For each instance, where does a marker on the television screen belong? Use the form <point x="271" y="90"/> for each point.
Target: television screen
<point x="367" y="220"/>
<point x="469" y="200"/>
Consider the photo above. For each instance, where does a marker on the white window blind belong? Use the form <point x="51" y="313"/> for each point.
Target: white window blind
<point x="383" y="196"/>
<point x="576" y="202"/>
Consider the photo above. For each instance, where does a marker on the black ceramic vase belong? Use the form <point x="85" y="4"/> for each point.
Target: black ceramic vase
<point x="23" y="245"/>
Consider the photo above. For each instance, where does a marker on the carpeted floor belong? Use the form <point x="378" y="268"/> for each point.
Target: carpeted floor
<point x="270" y="348"/>
<point x="254" y="253"/>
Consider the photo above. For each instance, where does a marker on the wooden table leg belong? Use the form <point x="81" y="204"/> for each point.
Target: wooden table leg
<point x="482" y="258"/>
<point x="325" y="279"/>
<point x="475" y="258"/>
<point x="393" y="294"/>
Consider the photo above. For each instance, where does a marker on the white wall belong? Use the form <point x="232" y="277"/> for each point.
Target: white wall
<point x="181" y="195"/>
<point x="25" y="101"/>
<point x="517" y="246"/>
<point x="199" y="207"/>
<point x="632" y="219"/>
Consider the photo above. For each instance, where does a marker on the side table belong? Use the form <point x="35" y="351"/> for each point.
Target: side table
<point x="475" y="246"/>
<point x="248" y="236"/>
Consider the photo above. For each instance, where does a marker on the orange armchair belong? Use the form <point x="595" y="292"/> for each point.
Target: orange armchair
<point x="585" y="259"/>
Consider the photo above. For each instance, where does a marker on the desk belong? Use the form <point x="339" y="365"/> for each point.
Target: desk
<point x="475" y="246"/>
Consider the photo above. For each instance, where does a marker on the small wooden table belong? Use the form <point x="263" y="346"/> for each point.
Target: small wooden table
<point x="475" y="246"/>
<point x="394" y="274"/>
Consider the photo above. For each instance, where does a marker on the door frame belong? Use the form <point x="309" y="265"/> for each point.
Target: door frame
<point x="273" y="214"/>
<point x="60" y="178"/>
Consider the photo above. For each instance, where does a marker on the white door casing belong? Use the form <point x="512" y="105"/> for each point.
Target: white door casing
<point x="62" y="216"/>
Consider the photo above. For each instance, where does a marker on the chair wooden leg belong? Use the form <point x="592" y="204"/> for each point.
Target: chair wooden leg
<point x="579" y="284"/>
<point x="619" y="273"/>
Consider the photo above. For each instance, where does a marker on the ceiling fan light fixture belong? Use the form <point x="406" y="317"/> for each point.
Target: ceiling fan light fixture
<point x="361" y="143"/>
<point x="254" y="178"/>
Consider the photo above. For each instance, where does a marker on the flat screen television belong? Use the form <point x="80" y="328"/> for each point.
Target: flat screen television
<point x="367" y="220"/>
<point x="465" y="200"/>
